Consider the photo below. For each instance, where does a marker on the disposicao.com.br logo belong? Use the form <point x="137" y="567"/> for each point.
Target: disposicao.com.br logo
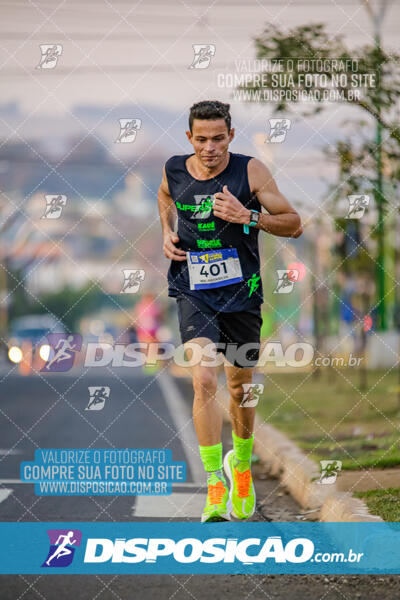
<point x="212" y="550"/>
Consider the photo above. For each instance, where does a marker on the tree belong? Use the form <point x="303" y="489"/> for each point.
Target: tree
<point x="356" y="240"/>
<point x="378" y="101"/>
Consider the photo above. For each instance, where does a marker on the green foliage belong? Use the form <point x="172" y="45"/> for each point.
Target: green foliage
<point x="68" y="304"/>
<point x="357" y="428"/>
<point x="313" y="42"/>
<point x="305" y="41"/>
<point x="385" y="503"/>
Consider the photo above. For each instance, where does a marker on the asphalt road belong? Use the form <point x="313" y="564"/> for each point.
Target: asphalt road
<point x="142" y="411"/>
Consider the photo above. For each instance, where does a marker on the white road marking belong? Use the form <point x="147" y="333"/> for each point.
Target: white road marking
<point x="183" y="484"/>
<point x="189" y="484"/>
<point x="4" y="493"/>
<point x="181" y="415"/>
<point x="178" y="504"/>
<point x="175" y="505"/>
<point x="6" y="481"/>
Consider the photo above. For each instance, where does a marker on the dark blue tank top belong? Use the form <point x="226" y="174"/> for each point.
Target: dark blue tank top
<point x="200" y="230"/>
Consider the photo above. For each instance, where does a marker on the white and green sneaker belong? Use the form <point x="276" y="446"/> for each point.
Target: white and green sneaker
<point x="218" y="506"/>
<point x="242" y="494"/>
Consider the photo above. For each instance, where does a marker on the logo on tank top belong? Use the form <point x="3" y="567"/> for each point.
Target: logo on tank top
<point x="202" y="209"/>
<point x="204" y="205"/>
<point x="206" y="226"/>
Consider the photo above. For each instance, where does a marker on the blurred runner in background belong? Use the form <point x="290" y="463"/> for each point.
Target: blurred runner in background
<point x="148" y="319"/>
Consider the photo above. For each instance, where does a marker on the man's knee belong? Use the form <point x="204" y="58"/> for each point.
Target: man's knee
<point x="205" y="381"/>
<point x="236" y="391"/>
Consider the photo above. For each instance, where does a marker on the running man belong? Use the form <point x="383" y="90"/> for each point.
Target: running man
<point x="215" y="276"/>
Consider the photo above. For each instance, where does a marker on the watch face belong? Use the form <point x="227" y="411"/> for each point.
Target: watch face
<point x="254" y="217"/>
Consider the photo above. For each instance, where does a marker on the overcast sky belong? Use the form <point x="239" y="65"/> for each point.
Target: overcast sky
<point x="121" y="52"/>
<point x="115" y="51"/>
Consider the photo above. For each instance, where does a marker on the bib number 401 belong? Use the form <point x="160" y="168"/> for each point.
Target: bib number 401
<point x="214" y="269"/>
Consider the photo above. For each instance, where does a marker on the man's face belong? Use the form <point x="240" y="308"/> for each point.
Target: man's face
<point x="210" y="140"/>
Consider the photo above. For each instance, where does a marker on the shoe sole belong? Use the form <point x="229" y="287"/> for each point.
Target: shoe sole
<point x="228" y="472"/>
<point x="216" y="519"/>
<point x="220" y="517"/>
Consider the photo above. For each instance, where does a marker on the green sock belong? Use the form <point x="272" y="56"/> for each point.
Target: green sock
<point x="211" y="457"/>
<point x="242" y="447"/>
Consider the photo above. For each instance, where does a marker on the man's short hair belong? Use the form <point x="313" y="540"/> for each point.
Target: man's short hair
<point x="210" y="109"/>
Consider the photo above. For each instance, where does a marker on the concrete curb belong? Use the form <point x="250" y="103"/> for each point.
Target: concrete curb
<point x="286" y="461"/>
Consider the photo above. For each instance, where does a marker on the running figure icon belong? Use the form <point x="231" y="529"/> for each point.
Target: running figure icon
<point x="62" y="354"/>
<point x="62" y="550"/>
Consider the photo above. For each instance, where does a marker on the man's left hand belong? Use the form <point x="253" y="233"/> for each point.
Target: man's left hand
<point x="229" y="208"/>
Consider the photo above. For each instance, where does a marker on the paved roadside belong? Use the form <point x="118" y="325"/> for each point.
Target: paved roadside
<point x="139" y="415"/>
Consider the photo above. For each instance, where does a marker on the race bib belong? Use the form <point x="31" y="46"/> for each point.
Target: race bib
<point x="213" y="269"/>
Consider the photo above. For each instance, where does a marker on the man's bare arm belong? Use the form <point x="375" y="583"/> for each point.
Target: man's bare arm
<point x="167" y="211"/>
<point x="166" y="206"/>
<point x="282" y="220"/>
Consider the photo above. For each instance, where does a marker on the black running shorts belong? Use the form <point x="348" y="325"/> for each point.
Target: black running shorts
<point x="238" y="333"/>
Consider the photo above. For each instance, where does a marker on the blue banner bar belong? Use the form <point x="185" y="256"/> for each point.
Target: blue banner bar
<point x="186" y="547"/>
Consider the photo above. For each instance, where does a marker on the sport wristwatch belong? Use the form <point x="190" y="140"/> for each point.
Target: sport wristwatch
<point x="254" y="218"/>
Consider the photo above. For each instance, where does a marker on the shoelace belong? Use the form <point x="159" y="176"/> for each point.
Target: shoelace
<point x="243" y="481"/>
<point x="216" y="492"/>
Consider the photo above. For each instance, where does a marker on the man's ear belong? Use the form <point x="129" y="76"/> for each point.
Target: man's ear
<point x="189" y="136"/>
<point x="231" y="134"/>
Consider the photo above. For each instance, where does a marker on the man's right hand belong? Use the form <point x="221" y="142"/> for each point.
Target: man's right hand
<point x="169" y="249"/>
